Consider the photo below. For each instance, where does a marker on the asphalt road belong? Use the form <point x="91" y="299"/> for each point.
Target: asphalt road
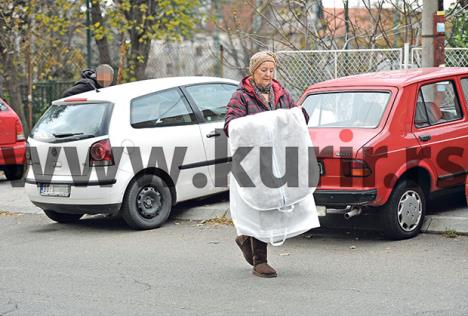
<point x="100" y="267"/>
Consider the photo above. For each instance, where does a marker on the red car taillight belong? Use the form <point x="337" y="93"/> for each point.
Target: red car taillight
<point x="100" y="154"/>
<point x="19" y="132"/>
<point x="356" y="168"/>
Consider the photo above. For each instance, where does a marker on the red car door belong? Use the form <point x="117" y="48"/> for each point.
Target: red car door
<point x="442" y="130"/>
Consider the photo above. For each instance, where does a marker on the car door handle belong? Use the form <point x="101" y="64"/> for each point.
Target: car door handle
<point x="213" y="134"/>
<point x="425" y="138"/>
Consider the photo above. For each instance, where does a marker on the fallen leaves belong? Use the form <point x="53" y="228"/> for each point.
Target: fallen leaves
<point x="6" y="213"/>
<point x="217" y="221"/>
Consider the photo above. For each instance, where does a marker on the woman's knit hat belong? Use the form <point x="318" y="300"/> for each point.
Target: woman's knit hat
<point x="259" y="58"/>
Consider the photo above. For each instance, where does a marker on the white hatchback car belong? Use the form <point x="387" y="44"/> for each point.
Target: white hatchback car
<point x="133" y="149"/>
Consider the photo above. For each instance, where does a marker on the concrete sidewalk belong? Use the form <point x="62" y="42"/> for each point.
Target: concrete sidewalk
<point x="446" y="214"/>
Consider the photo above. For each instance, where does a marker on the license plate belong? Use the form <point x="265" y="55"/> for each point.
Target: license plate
<point x="321" y="210"/>
<point x="59" y="190"/>
<point x="322" y="171"/>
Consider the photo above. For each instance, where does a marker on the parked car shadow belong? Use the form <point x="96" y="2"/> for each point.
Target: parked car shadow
<point x="107" y="223"/>
<point x="445" y="202"/>
<point x="95" y="223"/>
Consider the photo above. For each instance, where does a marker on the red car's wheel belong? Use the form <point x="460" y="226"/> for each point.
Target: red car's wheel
<point x="403" y="214"/>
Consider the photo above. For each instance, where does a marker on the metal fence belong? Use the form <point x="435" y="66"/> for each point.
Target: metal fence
<point x="454" y="57"/>
<point x="299" y="69"/>
<point x="42" y="96"/>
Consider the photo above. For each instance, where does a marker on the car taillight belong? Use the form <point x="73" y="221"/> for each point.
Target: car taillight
<point x="19" y="132"/>
<point x="356" y="168"/>
<point x="100" y="154"/>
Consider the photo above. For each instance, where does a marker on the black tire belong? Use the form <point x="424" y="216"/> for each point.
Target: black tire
<point x="14" y="172"/>
<point x="403" y="214"/>
<point x="147" y="203"/>
<point x="63" y="217"/>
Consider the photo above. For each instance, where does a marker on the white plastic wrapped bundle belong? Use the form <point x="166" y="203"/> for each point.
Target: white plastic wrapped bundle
<point x="272" y="213"/>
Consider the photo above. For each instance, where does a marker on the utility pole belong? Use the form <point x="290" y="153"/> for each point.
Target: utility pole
<point x="439" y="31"/>
<point x="433" y="30"/>
<point x="88" y="34"/>
<point x="217" y="40"/>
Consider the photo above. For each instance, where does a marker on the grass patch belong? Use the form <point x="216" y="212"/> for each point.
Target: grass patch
<point x="450" y="233"/>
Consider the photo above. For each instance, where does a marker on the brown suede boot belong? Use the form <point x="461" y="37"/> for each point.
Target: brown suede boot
<point x="246" y="247"/>
<point x="260" y="263"/>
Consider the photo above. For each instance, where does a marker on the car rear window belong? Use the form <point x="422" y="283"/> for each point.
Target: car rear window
<point x="346" y="109"/>
<point x="71" y="122"/>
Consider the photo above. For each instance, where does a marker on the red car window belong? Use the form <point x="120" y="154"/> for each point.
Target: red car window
<point x="437" y="103"/>
<point x="464" y="83"/>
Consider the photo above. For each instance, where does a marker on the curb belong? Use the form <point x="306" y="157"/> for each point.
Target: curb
<point x="436" y="224"/>
<point x="433" y="224"/>
<point x="205" y="212"/>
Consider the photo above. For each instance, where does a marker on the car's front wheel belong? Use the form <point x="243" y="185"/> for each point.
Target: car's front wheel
<point x="62" y="217"/>
<point x="14" y="172"/>
<point x="147" y="203"/>
<point x="404" y="212"/>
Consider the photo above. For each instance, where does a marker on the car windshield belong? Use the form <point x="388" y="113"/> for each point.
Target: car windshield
<point x="69" y="122"/>
<point x="346" y="109"/>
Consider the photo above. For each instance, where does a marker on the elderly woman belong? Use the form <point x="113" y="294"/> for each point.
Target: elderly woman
<point x="256" y="93"/>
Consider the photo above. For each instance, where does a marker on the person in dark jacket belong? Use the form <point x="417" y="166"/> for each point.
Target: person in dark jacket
<point x="256" y="93"/>
<point x="92" y="80"/>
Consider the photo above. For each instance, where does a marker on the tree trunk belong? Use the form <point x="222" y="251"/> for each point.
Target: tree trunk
<point x="140" y="59"/>
<point x="13" y="87"/>
<point x="102" y="44"/>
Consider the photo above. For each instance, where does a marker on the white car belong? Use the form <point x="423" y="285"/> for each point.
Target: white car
<point x="134" y="149"/>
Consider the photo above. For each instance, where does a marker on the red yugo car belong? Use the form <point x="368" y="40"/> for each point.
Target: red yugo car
<point x="385" y="141"/>
<point x="12" y="143"/>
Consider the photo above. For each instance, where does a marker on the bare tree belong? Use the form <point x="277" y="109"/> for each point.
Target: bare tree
<point x="302" y="24"/>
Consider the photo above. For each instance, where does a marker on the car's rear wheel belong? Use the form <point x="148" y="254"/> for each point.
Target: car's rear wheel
<point x="63" y="217"/>
<point x="147" y="203"/>
<point x="404" y="212"/>
<point x="14" y="172"/>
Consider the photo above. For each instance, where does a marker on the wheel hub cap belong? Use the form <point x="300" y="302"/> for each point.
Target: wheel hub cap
<point x="149" y="202"/>
<point x="409" y="210"/>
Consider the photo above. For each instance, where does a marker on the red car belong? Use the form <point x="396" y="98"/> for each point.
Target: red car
<point x="12" y="143"/>
<point x="386" y="141"/>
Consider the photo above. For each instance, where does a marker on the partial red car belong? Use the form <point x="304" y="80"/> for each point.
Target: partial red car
<point x="387" y="141"/>
<point x="12" y="143"/>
